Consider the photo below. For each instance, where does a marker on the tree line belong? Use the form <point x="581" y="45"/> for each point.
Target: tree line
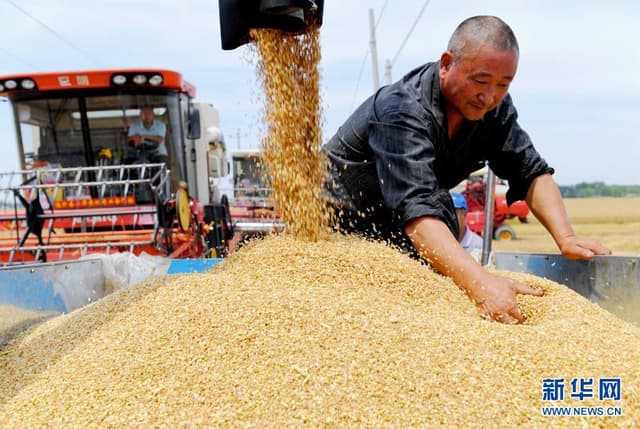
<point x="599" y="189"/>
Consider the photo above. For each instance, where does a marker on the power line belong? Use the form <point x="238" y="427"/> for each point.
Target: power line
<point x="384" y="6"/>
<point x="58" y="35"/>
<point x="366" y="55"/>
<point x="404" y="42"/>
<point x="355" y="93"/>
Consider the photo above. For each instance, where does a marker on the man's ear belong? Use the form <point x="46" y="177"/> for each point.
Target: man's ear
<point x="446" y="60"/>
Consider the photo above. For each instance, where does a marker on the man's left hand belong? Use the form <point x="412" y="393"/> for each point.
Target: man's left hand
<point x="580" y="248"/>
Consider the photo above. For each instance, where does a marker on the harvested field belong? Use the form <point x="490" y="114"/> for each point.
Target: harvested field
<point x="615" y="222"/>
<point x="603" y="210"/>
<point x="339" y="333"/>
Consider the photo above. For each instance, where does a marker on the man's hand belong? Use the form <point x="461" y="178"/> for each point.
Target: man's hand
<point x="495" y="296"/>
<point x="546" y="203"/>
<point x="135" y="140"/>
<point x="578" y="248"/>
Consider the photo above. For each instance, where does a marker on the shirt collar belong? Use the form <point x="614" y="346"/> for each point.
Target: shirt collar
<point x="434" y="101"/>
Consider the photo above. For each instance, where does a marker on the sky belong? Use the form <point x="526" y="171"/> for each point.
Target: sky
<point x="577" y="89"/>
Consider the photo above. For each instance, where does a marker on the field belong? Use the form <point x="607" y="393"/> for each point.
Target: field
<point x="614" y="222"/>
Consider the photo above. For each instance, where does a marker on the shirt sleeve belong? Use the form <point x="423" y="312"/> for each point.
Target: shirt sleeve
<point x="404" y="156"/>
<point x="133" y="129"/>
<point x="514" y="158"/>
<point x="160" y="129"/>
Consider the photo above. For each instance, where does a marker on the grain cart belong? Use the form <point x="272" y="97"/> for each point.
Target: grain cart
<point x="613" y="282"/>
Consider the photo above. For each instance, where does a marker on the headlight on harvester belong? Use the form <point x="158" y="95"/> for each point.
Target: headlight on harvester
<point x="119" y="79"/>
<point x="155" y="80"/>
<point x="139" y="79"/>
<point x="27" y="84"/>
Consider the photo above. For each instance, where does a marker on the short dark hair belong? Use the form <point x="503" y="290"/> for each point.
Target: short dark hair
<point x="482" y="29"/>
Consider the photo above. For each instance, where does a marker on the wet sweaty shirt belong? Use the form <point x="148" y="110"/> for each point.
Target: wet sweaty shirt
<point x="392" y="160"/>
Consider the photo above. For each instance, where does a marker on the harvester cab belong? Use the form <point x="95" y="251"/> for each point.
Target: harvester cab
<point x="238" y="17"/>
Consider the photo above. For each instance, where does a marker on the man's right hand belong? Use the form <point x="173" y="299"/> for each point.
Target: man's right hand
<point x="135" y="140"/>
<point x="495" y="296"/>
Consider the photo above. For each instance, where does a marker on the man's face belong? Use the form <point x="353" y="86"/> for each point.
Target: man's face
<point x="147" y="116"/>
<point x="476" y="83"/>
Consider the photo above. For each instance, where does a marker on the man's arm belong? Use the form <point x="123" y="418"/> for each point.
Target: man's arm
<point x="546" y="203"/>
<point x="494" y="295"/>
<point x="159" y="130"/>
<point x="137" y="136"/>
<point x="153" y="138"/>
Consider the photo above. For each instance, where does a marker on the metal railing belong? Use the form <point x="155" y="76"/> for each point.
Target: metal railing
<point x="38" y="201"/>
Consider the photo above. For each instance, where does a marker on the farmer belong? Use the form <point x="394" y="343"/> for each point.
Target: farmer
<point x="394" y="160"/>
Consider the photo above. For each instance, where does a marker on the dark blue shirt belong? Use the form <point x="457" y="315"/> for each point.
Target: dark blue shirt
<point x="392" y="161"/>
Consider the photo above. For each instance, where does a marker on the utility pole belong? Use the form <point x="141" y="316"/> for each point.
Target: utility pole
<point x="374" y="52"/>
<point x="238" y="136"/>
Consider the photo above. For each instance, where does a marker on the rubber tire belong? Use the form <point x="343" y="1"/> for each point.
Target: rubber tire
<point x="504" y="233"/>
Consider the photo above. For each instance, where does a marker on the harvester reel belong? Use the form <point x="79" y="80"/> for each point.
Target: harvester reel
<point x="34" y="212"/>
<point x="183" y="209"/>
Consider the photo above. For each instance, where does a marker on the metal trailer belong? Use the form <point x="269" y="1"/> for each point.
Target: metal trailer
<point x="613" y="282"/>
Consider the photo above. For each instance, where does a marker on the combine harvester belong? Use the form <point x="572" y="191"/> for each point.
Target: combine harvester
<point x="79" y="193"/>
<point x="252" y="208"/>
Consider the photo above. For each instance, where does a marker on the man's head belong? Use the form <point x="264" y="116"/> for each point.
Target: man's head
<point x="147" y="116"/>
<point x="460" y="204"/>
<point x="476" y="70"/>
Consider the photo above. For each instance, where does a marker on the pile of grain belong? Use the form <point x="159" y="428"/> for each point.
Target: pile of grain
<point x="311" y="329"/>
<point x="339" y="332"/>
<point x="15" y="320"/>
<point x="288" y="69"/>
